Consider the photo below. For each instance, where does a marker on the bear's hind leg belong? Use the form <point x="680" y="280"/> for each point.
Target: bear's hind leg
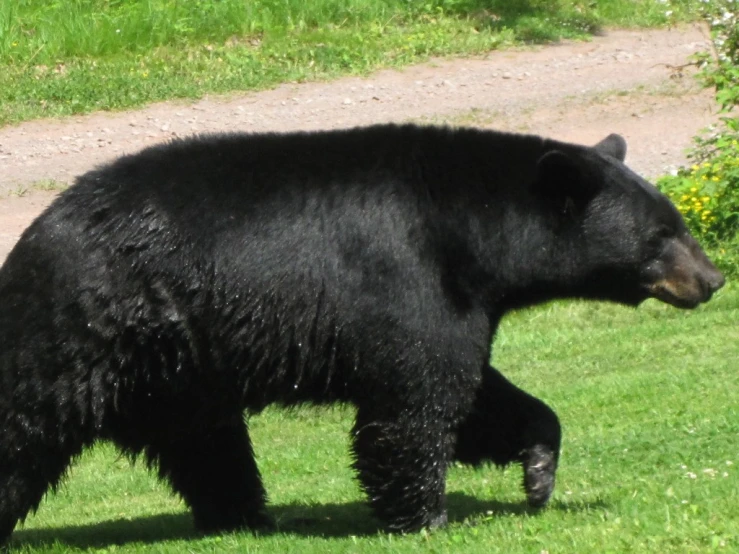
<point x="35" y="452"/>
<point x="215" y="472"/>
<point x="509" y="425"/>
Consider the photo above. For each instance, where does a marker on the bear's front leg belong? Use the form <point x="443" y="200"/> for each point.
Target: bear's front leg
<point x="401" y="458"/>
<point x="509" y="425"/>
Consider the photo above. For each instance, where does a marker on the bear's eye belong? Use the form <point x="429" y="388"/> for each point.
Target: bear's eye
<point x="659" y="237"/>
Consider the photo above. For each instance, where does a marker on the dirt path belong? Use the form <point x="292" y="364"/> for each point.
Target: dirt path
<point x="621" y="82"/>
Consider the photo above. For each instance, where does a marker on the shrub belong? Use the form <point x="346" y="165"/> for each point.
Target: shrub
<point x="707" y="192"/>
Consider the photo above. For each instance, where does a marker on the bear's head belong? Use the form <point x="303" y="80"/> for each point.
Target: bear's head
<point x="628" y="240"/>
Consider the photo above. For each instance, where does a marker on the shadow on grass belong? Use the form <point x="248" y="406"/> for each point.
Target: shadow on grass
<point x="302" y="520"/>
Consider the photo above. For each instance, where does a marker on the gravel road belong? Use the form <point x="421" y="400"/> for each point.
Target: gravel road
<point x="624" y="81"/>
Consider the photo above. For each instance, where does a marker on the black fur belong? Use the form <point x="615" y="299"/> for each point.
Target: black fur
<point x="164" y="294"/>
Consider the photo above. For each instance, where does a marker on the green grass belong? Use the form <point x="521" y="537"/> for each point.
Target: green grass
<point x="650" y="463"/>
<point x="61" y="57"/>
<point x="44" y="185"/>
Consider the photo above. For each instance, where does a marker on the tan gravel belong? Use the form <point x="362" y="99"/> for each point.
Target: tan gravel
<point x="624" y="81"/>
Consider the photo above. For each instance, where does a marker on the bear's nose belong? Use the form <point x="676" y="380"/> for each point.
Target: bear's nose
<point x="710" y="283"/>
<point x="717" y="282"/>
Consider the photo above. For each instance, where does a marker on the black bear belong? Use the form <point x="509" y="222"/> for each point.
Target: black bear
<point x="164" y="294"/>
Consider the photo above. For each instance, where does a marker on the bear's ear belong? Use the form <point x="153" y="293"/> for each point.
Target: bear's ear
<point x="613" y="145"/>
<point x="563" y="183"/>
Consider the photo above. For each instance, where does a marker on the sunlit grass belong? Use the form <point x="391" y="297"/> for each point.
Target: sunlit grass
<point x="61" y="57"/>
<point x="647" y="399"/>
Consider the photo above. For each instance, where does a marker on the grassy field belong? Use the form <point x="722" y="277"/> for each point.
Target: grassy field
<point x="647" y="398"/>
<point x="61" y="57"/>
<point x="648" y="402"/>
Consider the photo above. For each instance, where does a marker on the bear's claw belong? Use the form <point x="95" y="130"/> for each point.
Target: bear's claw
<point x="539" y="467"/>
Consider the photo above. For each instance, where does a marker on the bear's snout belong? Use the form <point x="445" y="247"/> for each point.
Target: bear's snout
<point x="687" y="277"/>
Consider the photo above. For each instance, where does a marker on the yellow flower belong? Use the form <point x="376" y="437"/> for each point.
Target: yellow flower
<point x="705" y="199"/>
<point x="693" y="190"/>
<point x="715" y="179"/>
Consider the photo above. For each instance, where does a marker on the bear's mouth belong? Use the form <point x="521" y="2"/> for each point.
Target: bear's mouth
<point x="666" y="292"/>
<point x="682" y="276"/>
